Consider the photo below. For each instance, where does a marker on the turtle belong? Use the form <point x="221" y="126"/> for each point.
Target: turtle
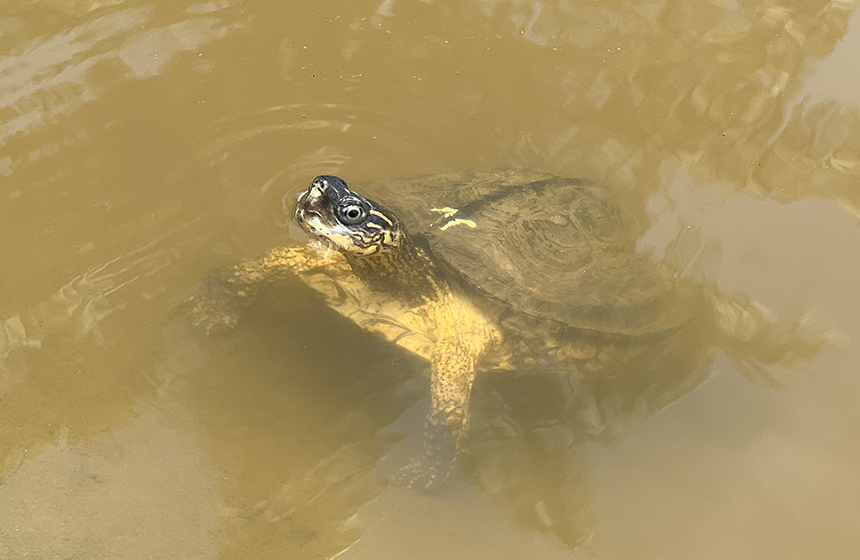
<point x="515" y="270"/>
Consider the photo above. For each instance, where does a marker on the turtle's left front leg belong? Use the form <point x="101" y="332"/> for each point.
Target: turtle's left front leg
<point x="453" y="373"/>
<point x="227" y="290"/>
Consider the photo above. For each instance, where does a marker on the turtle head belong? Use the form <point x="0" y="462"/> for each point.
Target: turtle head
<point x="329" y="211"/>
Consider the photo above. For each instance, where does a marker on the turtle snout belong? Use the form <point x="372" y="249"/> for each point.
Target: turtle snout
<point x="308" y="203"/>
<point x="310" y="213"/>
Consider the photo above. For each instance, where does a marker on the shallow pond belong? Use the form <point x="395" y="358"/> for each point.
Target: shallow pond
<point x="142" y="144"/>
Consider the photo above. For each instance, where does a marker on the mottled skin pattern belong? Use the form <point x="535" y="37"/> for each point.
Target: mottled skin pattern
<point x="399" y="294"/>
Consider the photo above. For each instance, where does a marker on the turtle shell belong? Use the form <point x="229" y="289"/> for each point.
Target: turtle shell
<point x="550" y="247"/>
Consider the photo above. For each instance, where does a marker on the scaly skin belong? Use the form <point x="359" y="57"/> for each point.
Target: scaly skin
<point x="445" y="328"/>
<point x="464" y="335"/>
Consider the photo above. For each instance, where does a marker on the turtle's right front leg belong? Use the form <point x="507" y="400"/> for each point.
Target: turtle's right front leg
<point x="227" y="290"/>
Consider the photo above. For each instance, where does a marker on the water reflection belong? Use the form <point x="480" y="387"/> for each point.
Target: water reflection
<point x="143" y="144"/>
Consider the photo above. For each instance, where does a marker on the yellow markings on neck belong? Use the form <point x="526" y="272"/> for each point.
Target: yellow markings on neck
<point x="383" y="216"/>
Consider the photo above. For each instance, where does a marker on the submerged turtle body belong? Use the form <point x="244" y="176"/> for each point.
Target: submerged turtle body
<point x="544" y="246"/>
<point x="543" y="262"/>
<point x="473" y="272"/>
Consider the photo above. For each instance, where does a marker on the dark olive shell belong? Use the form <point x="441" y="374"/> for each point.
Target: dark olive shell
<point x="547" y="246"/>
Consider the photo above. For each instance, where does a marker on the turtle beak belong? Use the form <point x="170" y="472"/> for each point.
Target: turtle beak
<point x="310" y="201"/>
<point x="310" y="212"/>
<point x="299" y="209"/>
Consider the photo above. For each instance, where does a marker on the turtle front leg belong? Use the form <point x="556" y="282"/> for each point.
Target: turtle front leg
<point x="453" y="373"/>
<point x="227" y="290"/>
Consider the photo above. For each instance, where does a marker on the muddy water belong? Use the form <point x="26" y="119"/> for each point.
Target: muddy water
<point x="142" y="144"/>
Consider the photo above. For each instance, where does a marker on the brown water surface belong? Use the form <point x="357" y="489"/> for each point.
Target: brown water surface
<point x="141" y="144"/>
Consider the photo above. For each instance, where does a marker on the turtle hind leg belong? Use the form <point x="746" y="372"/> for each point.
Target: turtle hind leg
<point x="753" y="336"/>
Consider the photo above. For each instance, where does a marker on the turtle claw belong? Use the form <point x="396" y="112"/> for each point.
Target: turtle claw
<point x="216" y="304"/>
<point x="424" y="474"/>
<point x="208" y="316"/>
<point x="429" y="471"/>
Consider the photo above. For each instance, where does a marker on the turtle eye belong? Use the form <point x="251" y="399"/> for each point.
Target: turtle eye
<point x="351" y="214"/>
